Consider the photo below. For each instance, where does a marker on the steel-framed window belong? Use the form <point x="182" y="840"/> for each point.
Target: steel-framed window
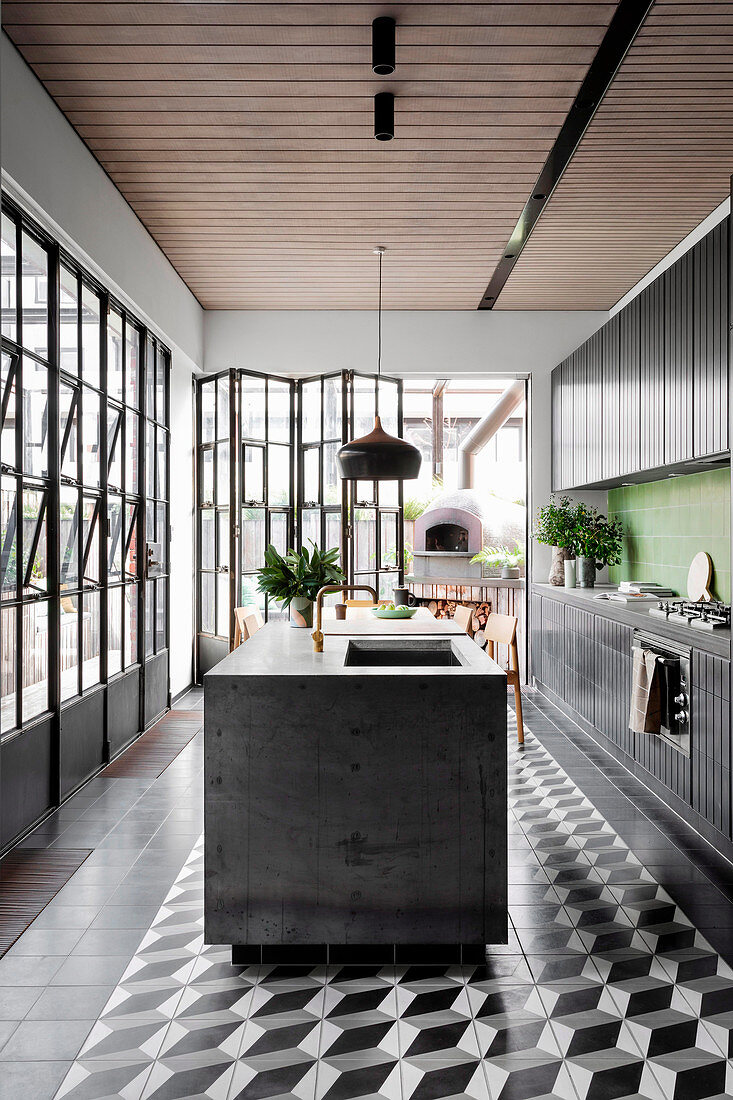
<point x="27" y="484"/>
<point x="85" y="480"/>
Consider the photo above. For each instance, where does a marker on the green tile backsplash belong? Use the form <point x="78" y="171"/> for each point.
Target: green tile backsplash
<point x="667" y="522"/>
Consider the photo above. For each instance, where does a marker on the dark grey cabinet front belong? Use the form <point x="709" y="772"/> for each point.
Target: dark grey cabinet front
<point x="611" y="392"/>
<point x="651" y="388"/>
<point x="651" y="376"/>
<point x="678" y="373"/>
<point x="710" y="341"/>
<point x="629" y="389"/>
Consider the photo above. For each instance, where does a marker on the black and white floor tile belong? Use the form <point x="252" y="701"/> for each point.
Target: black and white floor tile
<point x="606" y="991"/>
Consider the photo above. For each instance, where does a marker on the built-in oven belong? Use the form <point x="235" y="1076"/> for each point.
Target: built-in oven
<point x="673" y="668"/>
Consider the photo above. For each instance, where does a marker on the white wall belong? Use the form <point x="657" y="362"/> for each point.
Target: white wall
<point x="52" y="174"/>
<point x="182" y="625"/>
<point x="436" y="344"/>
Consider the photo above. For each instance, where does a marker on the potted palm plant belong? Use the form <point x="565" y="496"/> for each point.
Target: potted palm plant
<point x="555" y="526"/>
<point x="597" y="542"/>
<point x="293" y="579"/>
<point x="508" y="559"/>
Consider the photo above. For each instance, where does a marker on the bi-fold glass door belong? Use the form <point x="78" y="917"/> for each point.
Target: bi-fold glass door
<point x="267" y="474"/>
<point x="245" y="472"/>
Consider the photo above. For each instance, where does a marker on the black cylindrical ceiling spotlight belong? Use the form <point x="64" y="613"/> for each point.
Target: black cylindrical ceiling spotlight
<point x="384" y="116"/>
<point x="383" y="56"/>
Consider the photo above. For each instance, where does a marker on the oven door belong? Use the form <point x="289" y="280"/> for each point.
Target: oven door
<point x="673" y="667"/>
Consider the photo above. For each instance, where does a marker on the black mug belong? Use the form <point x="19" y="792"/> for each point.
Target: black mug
<point x="404" y="596"/>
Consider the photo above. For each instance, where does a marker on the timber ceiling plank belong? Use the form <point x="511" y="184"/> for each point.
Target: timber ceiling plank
<point x="240" y="133"/>
<point x="655" y="160"/>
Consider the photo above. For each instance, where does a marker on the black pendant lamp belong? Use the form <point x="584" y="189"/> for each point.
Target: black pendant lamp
<point x="379" y="456"/>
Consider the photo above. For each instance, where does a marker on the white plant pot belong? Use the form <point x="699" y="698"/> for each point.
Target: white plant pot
<point x="569" y="565"/>
<point x="301" y="612"/>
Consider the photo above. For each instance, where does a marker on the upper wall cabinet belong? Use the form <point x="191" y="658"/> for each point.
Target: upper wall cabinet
<point x="610" y="442"/>
<point x="650" y="389"/>
<point x="710" y="341"/>
<point x="678" y="384"/>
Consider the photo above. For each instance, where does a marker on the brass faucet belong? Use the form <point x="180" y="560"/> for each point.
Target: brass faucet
<point x="317" y="634"/>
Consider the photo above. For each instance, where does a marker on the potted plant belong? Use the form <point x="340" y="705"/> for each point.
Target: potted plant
<point x="597" y="542"/>
<point x="295" y="578"/>
<point x="506" y="558"/>
<point x="555" y="526"/>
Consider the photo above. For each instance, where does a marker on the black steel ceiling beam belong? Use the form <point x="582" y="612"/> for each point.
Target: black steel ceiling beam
<point x="622" y="30"/>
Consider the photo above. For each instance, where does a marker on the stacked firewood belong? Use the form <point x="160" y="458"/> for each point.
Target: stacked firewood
<point x="445" y="609"/>
<point x="442" y="609"/>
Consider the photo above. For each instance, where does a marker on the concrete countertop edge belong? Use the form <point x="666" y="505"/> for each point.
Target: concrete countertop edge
<point x="715" y="642"/>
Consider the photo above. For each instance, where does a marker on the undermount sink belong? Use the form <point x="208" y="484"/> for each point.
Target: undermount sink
<point x="413" y="652"/>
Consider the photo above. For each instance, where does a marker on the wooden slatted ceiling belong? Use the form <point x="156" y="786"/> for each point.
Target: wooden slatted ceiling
<point x="241" y="135"/>
<point x="655" y="160"/>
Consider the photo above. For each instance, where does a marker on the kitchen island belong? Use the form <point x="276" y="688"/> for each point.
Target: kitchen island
<point x="355" y="799"/>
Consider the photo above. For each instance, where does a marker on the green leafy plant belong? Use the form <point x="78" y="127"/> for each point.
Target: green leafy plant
<point x="595" y="536"/>
<point x="497" y="556"/>
<point x="413" y="509"/>
<point x="299" y="573"/>
<point x="555" y="524"/>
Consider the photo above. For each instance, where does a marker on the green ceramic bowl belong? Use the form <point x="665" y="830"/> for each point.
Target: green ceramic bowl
<point x="407" y="614"/>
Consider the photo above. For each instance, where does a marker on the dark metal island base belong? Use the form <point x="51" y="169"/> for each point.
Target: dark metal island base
<point x="355" y="800"/>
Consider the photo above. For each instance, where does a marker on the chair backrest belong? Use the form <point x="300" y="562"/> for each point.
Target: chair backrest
<point x="359" y="603"/>
<point x="462" y="616"/>
<point x="501" y="628"/>
<point x="248" y="621"/>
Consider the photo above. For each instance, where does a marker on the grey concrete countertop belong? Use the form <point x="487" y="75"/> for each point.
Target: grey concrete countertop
<point x="279" y="650"/>
<point x="712" y="641"/>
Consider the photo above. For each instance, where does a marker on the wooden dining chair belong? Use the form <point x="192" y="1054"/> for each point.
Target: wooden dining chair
<point x="359" y="603"/>
<point x="247" y="621"/>
<point x="462" y="616"/>
<point x="502" y="630"/>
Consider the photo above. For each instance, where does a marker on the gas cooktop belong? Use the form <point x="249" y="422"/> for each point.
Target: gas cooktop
<point x="705" y="615"/>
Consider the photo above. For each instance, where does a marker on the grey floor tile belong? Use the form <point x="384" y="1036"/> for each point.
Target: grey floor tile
<point x="102" y="941"/>
<point x="52" y="1040"/>
<point x="56" y="915"/>
<point x="16" y="1001"/>
<point x="90" y="970"/>
<point x="7" y="1029"/>
<point x="46" y="941"/>
<point x="126" y="916"/>
<point x="31" y="1080"/>
<point x="77" y="1002"/>
<point x="29" y="970"/>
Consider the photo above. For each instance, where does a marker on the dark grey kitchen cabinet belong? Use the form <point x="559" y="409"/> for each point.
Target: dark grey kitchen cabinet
<point x="678" y="373"/>
<point x="579" y="675"/>
<point x="577" y="458"/>
<point x="710" y="341"/>
<point x="595" y="395"/>
<point x="567" y="423"/>
<point x="711" y="751"/>
<point x="556" y="427"/>
<point x="553" y="645"/>
<point x="583" y="661"/>
<point x="612" y="660"/>
<point x="651" y="375"/>
<point x="650" y="389"/>
<point x="611" y="394"/>
<point x="630" y="389"/>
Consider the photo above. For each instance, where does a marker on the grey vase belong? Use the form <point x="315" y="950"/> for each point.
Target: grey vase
<point x="586" y="572"/>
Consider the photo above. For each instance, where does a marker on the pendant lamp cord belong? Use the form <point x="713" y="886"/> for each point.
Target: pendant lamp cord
<point x="379" y="322"/>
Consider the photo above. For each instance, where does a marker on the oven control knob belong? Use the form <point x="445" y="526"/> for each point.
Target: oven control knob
<point x="680" y="716"/>
<point x="681" y="699"/>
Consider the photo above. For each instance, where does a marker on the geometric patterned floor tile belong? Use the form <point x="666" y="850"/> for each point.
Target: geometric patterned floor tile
<point x="605" y="992"/>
